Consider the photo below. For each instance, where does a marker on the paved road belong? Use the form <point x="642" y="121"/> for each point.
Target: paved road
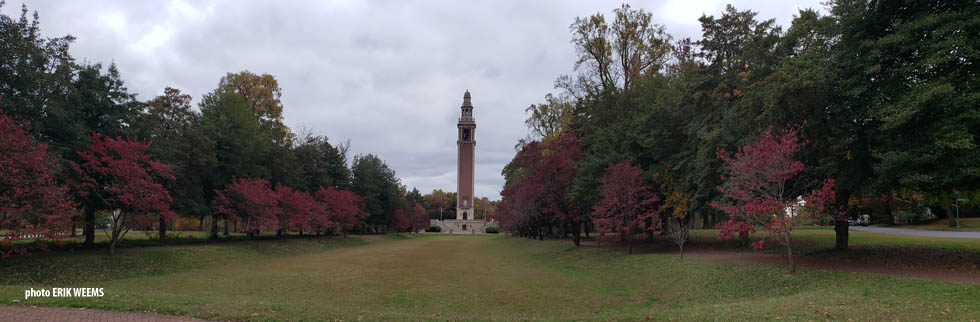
<point x="44" y="314"/>
<point x="919" y="232"/>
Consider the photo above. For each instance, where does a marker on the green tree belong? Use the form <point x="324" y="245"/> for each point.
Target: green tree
<point x="376" y="182"/>
<point x="239" y="143"/>
<point x="179" y="139"/>
<point x="321" y="164"/>
<point x="35" y="80"/>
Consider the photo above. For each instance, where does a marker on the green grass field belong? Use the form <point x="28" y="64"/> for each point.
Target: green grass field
<point x="482" y="277"/>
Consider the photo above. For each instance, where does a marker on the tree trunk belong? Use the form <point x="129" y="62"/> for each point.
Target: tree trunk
<point x="115" y="236"/>
<point x="789" y="252"/>
<point x="841" y="229"/>
<point x="576" y="232"/>
<point x="629" y="242"/>
<point x="163" y="229"/>
<point x="214" y="227"/>
<point x="89" y="227"/>
<point x="227" y="222"/>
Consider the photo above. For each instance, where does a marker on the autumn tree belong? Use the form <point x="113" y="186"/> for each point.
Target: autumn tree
<point x="519" y="208"/>
<point x="344" y="207"/>
<point x="400" y="221"/>
<point x="551" y="118"/>
<point x="762" y="187"/>
<point x="250" y="202"/>
<point x="438" y="200"/>
<point x="124" y="177"/>
<point x="541" y="175"/>
<point x="612" y="56"/>
<point x="627" y="202"/>
<point x="296" y="210"/>
<point x="262" y="95"/>
<point x="32" y="203"/>
<point x="483" y="208"/>
<point x="418" y="217"/>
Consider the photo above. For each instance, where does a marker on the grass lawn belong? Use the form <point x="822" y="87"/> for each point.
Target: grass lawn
<point x="818" y="238"/>
<point x="482" y="277"/>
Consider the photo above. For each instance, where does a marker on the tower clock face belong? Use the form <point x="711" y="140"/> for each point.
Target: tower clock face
<point x="466" y="134"/>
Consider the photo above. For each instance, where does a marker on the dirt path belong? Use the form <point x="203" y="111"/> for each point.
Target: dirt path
<point x="919" y="232"/>
<point x="44" y="314"/>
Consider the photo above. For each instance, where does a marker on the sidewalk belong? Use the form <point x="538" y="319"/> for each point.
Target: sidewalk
<point x="919" y="232"/>
<point x="44" y="314"/>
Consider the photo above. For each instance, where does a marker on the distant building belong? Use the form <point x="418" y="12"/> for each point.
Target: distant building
<point x="465" y="221"/>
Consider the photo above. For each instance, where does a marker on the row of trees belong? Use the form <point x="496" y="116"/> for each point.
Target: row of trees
<point x="77" y="151"/>
<point x="879" y="96"/>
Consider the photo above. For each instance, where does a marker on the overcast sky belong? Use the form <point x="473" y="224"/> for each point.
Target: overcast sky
<point x="388" y="75"/>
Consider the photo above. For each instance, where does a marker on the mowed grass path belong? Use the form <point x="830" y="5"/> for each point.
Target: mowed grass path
<point x="441" y="277"/>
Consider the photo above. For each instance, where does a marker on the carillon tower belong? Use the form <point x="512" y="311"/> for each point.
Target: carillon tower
<point x="466" y="144"/>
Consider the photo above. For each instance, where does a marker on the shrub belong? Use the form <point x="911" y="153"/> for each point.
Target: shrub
<point x="492" y="230"/>
<point x="184" y="223"/>
<point x="433" y="229"/>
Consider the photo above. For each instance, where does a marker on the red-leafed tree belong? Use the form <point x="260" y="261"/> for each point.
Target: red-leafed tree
<point x="296" y="210"/>
<point x="32" y="204"/>
<point x="401" y="221"/>
<point x="556" y="172"/>
<point x="418" y="216"/>
<point x="322" y="217"/>
<point x="123" y="175"/>
<point x="627" y="202"/>
<point x="518" y="210"/>
<point x="537" y="196"/>
<point x="763" y="187"/>
<point x="343" y="206"/>
<point x="251" y="202"/>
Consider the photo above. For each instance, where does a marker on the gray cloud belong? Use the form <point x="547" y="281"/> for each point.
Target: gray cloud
<point x="389" y="75"/>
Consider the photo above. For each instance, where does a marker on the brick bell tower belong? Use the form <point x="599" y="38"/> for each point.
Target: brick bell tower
<point x="466" y="144"/>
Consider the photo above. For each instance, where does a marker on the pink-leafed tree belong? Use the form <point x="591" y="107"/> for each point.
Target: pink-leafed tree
<point x="123" y="175"/>
<point x="400" y="221"/>
<point x="763" y="188"/>
<point x="627" y="203"/>
<point x="343" y="206"/>
<point x="322" y="217"/>
<point x="251" y="203"/>
<point x="296" y="209"/>
<point x="32" y="204"/>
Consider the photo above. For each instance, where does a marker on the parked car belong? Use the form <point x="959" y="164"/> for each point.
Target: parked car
<point x="862" y="220"/>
